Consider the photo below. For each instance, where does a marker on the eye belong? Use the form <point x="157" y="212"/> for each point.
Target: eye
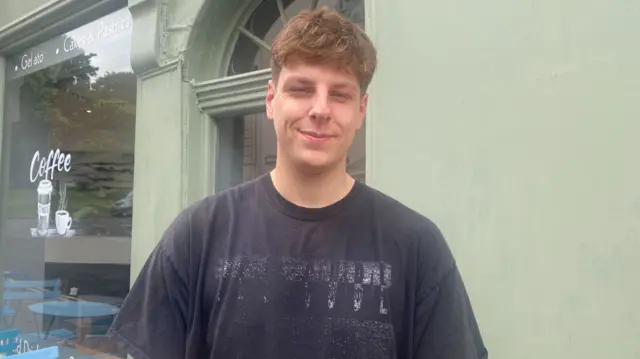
<point x="340" y="96"/>
<point x="298" y="89"/>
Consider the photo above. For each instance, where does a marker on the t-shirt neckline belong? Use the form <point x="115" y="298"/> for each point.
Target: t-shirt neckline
<point x="304" y="213"/>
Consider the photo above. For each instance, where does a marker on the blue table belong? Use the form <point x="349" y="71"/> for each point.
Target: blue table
<point x="72" y="309"/>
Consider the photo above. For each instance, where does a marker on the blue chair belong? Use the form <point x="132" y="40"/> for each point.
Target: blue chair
<point x="7" y="312"/>
<point x="32" y="289"/>
<point x="8" y="342"/>
<point x="46" y="353"/>
<point x="16" y="291"/>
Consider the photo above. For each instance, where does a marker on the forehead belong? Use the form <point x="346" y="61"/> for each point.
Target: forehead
<point x="318" y="74"/>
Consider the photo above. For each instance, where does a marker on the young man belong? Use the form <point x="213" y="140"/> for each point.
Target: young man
<point x="304" y="262"/>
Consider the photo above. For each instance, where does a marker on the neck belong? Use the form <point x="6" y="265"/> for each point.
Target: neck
<point x="312" y="190"/>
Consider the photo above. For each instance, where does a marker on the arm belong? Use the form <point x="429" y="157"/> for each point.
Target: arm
<point x="152" y="323"/>
<point x="446" y="327"/>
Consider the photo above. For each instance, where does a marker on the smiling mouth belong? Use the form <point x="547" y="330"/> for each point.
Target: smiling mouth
<point x="315" y="136"/>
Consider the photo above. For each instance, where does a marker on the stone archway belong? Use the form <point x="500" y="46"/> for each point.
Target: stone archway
<point x="213" y="36"/>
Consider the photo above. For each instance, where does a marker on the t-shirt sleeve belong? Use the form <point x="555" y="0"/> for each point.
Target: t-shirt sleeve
<point x="446" y="326"/>
<point x="152" y="322"/>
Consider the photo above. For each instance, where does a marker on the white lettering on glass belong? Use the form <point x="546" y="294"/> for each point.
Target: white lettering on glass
<point x="74" y="42"/>
<point x="24" y="347"/>
<point x="87" y="37"/>
<point x="46" y="167"/>
<point x="31" y="59"/>
<point x="113" y="27"/>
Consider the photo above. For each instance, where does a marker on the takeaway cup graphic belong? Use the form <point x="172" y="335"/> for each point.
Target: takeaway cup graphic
<point x="44" y="207"/>
<point x="63" y="222"/>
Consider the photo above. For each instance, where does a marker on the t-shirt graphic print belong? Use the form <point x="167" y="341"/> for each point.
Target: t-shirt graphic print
<point x="336" y="309"/>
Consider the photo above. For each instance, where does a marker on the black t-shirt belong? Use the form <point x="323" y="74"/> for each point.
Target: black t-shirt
<point x="245" y="274"/>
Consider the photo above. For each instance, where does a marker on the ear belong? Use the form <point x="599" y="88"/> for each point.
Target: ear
<point x="271" y="94"/>
<point x="363" y="109"/>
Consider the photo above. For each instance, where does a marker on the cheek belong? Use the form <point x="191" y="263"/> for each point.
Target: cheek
<point x="278" y="113"/>
<point x="277" y="125"/>
<point x="293" y="108"/>
<point x="350" y="123"/>
<point x="287" y="115"/>
<point x="280" y="125"/>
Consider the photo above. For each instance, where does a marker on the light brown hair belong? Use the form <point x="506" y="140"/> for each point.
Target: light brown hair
<point x="326" y="37"/>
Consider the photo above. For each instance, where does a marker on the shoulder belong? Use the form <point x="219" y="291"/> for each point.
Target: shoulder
<point x="215" y="208"/>
<point x="413" y="231"/>
<point x="193" y="225"/>
<point x="399" y="216"/>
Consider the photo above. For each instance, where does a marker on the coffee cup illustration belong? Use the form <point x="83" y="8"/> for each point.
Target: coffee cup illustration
<point x="63" y="222"/>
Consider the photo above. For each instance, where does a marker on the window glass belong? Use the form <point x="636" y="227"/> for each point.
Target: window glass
<point x="265" y="23"/>
<point x="67" y="179"/>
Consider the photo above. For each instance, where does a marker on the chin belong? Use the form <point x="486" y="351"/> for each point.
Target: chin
<point x="315" y="163"/>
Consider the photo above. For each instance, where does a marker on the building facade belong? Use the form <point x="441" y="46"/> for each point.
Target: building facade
<point x="513" y="126"/>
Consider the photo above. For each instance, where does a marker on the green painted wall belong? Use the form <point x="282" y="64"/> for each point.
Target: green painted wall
<point x="10" y="10"/>
<point x="514" y="125"/>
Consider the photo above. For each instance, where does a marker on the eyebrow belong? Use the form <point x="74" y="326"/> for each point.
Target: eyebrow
<point x="300" y="80"/>
<point x="346" y="85"/>
<point x="306" y="81"/>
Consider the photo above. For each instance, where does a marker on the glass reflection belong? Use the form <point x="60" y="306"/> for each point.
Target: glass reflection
<point x="68" y="157"/>
<point x="265" y="23"/>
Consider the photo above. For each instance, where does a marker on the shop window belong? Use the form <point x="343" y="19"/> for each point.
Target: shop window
<point x="251" y="146"/>
<point x="67" y="179"/>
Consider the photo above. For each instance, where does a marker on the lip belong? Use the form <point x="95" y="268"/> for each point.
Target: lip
<point x="313" y="136"/>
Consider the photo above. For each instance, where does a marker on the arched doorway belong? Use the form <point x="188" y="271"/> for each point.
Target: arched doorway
<point x="246" y="143"/>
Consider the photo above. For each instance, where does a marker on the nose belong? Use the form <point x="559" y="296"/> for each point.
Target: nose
<point x="320" y="109"/>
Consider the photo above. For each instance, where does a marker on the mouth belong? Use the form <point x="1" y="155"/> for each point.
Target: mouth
<point x="315" y="136"/>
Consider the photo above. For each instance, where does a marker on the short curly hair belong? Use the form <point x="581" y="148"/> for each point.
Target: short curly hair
<point x="324" y="36"/>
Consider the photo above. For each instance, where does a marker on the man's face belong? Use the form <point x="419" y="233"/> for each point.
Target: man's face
<point x="316" y="112"/>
